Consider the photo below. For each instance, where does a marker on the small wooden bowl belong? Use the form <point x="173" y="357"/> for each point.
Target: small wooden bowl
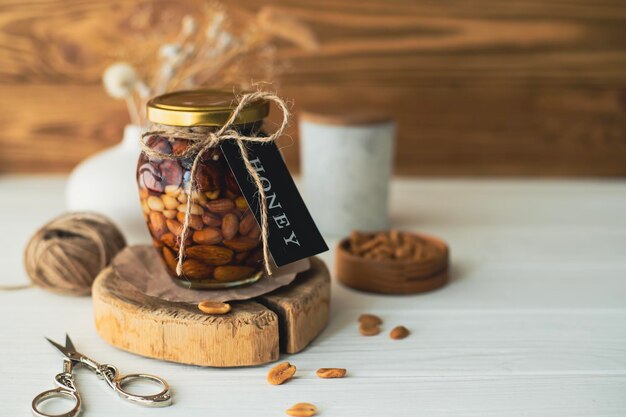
<point x="393" y="276"/>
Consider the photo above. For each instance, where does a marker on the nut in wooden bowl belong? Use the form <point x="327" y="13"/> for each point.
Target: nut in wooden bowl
<point x="392" y="262"/>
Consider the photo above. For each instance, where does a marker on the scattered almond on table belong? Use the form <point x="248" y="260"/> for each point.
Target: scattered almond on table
<point x="369" y="330"/>
<point x="281" y="373"/>
<point x="369" y="324"/>
<point x="392" y="245"/>
<point x="302" y="410"/>
<point x="213" y="307"/>
<point x="399" y="332"/>
<point x="370" y="319"/>
<point x="331" y="372"/>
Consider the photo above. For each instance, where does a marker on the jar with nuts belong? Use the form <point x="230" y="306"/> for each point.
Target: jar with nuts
<point x="222" y="246"/>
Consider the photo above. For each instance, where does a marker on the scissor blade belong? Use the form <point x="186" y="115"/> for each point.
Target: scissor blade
<point x="66" y="352"/>
<point x="68" y="343"/>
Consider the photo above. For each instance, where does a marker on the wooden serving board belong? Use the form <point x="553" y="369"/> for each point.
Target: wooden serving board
<point x="253" y="333"/>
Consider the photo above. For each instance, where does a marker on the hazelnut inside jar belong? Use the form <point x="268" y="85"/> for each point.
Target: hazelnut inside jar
<point x="223" y="244"/>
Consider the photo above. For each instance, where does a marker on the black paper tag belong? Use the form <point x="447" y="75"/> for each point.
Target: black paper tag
<point x="293" y="234"/>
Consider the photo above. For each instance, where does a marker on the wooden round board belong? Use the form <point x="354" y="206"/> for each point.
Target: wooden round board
<point x="253" y="333"/>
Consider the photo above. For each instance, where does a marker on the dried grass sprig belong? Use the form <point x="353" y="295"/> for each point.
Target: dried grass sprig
<point x="223" y="47"/>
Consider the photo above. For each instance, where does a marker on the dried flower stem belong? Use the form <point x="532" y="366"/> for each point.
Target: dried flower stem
<point x="229" y="50"/>
<point x="133" y="111"/>
<point x="194" y="70"/>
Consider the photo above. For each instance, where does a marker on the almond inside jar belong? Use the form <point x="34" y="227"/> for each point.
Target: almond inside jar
<point x="223" y="245"/>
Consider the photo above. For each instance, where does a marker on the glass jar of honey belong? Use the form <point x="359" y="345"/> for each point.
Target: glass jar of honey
<point x="223" y="246"/>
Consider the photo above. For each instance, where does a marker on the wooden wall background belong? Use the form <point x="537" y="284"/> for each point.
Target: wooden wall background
<point x="528" y="87"/>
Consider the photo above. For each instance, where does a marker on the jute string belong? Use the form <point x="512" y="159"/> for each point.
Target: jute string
<point x="201" y="141"/>
<point x="67" y="254"/>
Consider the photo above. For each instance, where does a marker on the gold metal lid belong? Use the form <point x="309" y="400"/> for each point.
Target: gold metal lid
<point x="202" y="108"/>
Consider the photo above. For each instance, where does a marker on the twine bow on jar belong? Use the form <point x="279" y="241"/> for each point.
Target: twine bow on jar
<point x="200" y="142"/>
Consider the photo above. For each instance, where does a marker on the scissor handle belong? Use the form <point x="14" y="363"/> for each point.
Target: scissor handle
<point x="56" y="393"/>
<point x="161" y="399"/>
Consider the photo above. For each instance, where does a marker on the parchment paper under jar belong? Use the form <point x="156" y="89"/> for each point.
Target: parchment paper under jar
<point x="346" y="168"/>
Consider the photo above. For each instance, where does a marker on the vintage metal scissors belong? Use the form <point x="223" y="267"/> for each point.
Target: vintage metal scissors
<point x="67" y="388"/>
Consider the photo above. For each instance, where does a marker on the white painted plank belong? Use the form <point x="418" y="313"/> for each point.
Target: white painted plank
<point x="544" y="287"/>
<point x="451" y="202"/>
<point x="532" y="324"/>
<point x="443" y="342"/>
<point x="202" y="393"/>
<point x="455" y="363"/>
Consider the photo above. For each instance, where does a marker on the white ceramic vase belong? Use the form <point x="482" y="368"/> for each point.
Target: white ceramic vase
<point x="105" y="183"/>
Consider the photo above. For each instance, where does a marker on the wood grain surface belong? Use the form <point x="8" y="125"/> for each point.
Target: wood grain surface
<point x="302" y="309"/>
<point x="179" y="332"/>
<point x="252" y="333"/>
<point x="482" y="88"/>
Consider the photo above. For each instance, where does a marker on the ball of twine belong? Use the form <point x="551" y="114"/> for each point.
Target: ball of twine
<point x="66" y="255"/>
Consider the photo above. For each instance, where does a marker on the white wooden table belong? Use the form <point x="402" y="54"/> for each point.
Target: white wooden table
<point x="533" y="322"/>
